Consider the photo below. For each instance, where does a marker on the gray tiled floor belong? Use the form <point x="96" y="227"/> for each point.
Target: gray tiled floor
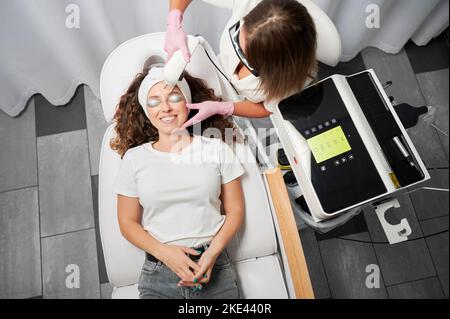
<point x="20" y="266"/>
<point x="65" y="196"/>
<point x="106" y="291"/>
<point x="315" y="266"/>
<point x="18" y="167"/>
<point x="345" y="265"/>
<point x="67" y="255"/>
<point x="101" y="260"/>
<point x="438" y="246"/>
<point x="431" y="204"/>
<point x="406" y="261"/>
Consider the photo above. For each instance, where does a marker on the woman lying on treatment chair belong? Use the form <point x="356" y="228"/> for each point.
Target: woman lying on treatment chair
<point x="170" y="188"/>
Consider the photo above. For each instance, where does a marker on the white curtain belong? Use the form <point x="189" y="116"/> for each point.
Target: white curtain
<point x="39" y="53"/>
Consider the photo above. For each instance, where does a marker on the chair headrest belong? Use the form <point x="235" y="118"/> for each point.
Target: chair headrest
<point x="329" y="48"/>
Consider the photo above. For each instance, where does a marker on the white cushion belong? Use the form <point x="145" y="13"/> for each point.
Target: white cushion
<point x="329" y="47"/>
<point x="256" y="236"/>
<point x="127" y="292"/>
<point x="261" y="278"/>
<point x="123" y="260"/>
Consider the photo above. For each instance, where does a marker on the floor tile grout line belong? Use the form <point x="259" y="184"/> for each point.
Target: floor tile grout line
<point x="431" y="71"/>
<point x="323" y="266"/>
<point x="22" y="188"/>
<point x="440" y="142"/>
<point x="62" y="133"/>
<point x="415" y="280"/>
<point x="39" y="203"/>
<point x="87" y="131"/>
<point x="67" y="233"/>
<point x="90" y="180"/>
<point x="433" y="218"/>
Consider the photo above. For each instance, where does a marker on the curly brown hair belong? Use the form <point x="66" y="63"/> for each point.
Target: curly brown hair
<point x="133" y="128"/>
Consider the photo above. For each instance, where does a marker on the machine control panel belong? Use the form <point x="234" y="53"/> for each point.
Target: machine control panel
<point x="342" y="171"/>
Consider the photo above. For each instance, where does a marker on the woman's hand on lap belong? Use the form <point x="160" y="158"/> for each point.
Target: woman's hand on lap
<point x="176" y="259"/>
<point x="203" y="275"/>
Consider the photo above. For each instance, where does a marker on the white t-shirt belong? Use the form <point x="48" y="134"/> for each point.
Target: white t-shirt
<point x="179" y="192"/>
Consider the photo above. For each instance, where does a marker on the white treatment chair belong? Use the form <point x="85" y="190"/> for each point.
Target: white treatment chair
<point x="253" y="250"/>
<point x="261" y="252"/>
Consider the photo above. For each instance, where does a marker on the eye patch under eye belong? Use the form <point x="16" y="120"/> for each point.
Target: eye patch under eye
<point x="153" y="102"/>
<point x="175" y="98"/>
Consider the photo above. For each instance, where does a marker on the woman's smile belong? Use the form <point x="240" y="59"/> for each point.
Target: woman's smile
<point x="169" y="119"/>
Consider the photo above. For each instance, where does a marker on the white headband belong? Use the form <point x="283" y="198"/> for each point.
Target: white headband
<point x="154" y="76"/>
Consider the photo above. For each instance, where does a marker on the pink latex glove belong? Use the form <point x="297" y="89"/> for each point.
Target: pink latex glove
<point x="208" y="109"/>
<point x="175" y="37"/>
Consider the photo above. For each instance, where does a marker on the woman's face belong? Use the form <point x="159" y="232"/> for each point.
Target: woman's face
<point x="166" y="111"/>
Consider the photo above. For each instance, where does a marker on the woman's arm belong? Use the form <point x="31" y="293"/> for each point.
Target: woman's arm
<point x="250" y="110"/>
<point x="233" y="204"/>
<point x="179" y="5"/>
<point x="130" y="214"/>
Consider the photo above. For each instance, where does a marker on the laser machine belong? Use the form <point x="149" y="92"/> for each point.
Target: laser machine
<point x="347" y="148"/>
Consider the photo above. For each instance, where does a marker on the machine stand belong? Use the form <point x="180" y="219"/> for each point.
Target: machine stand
<point x="394" y="233"/>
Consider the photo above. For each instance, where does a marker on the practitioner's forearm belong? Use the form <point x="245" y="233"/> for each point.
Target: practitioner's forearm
<point x="250" y="110"/>
<point x="179" y="5"/>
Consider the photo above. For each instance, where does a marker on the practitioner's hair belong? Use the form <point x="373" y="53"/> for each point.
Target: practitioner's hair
<point x="281" y="46"/>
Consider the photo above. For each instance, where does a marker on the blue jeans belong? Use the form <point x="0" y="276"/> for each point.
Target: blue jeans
<point x="157" y="281"/>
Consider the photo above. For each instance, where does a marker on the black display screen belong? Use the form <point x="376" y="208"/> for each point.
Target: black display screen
<point x="343" y="174"/>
